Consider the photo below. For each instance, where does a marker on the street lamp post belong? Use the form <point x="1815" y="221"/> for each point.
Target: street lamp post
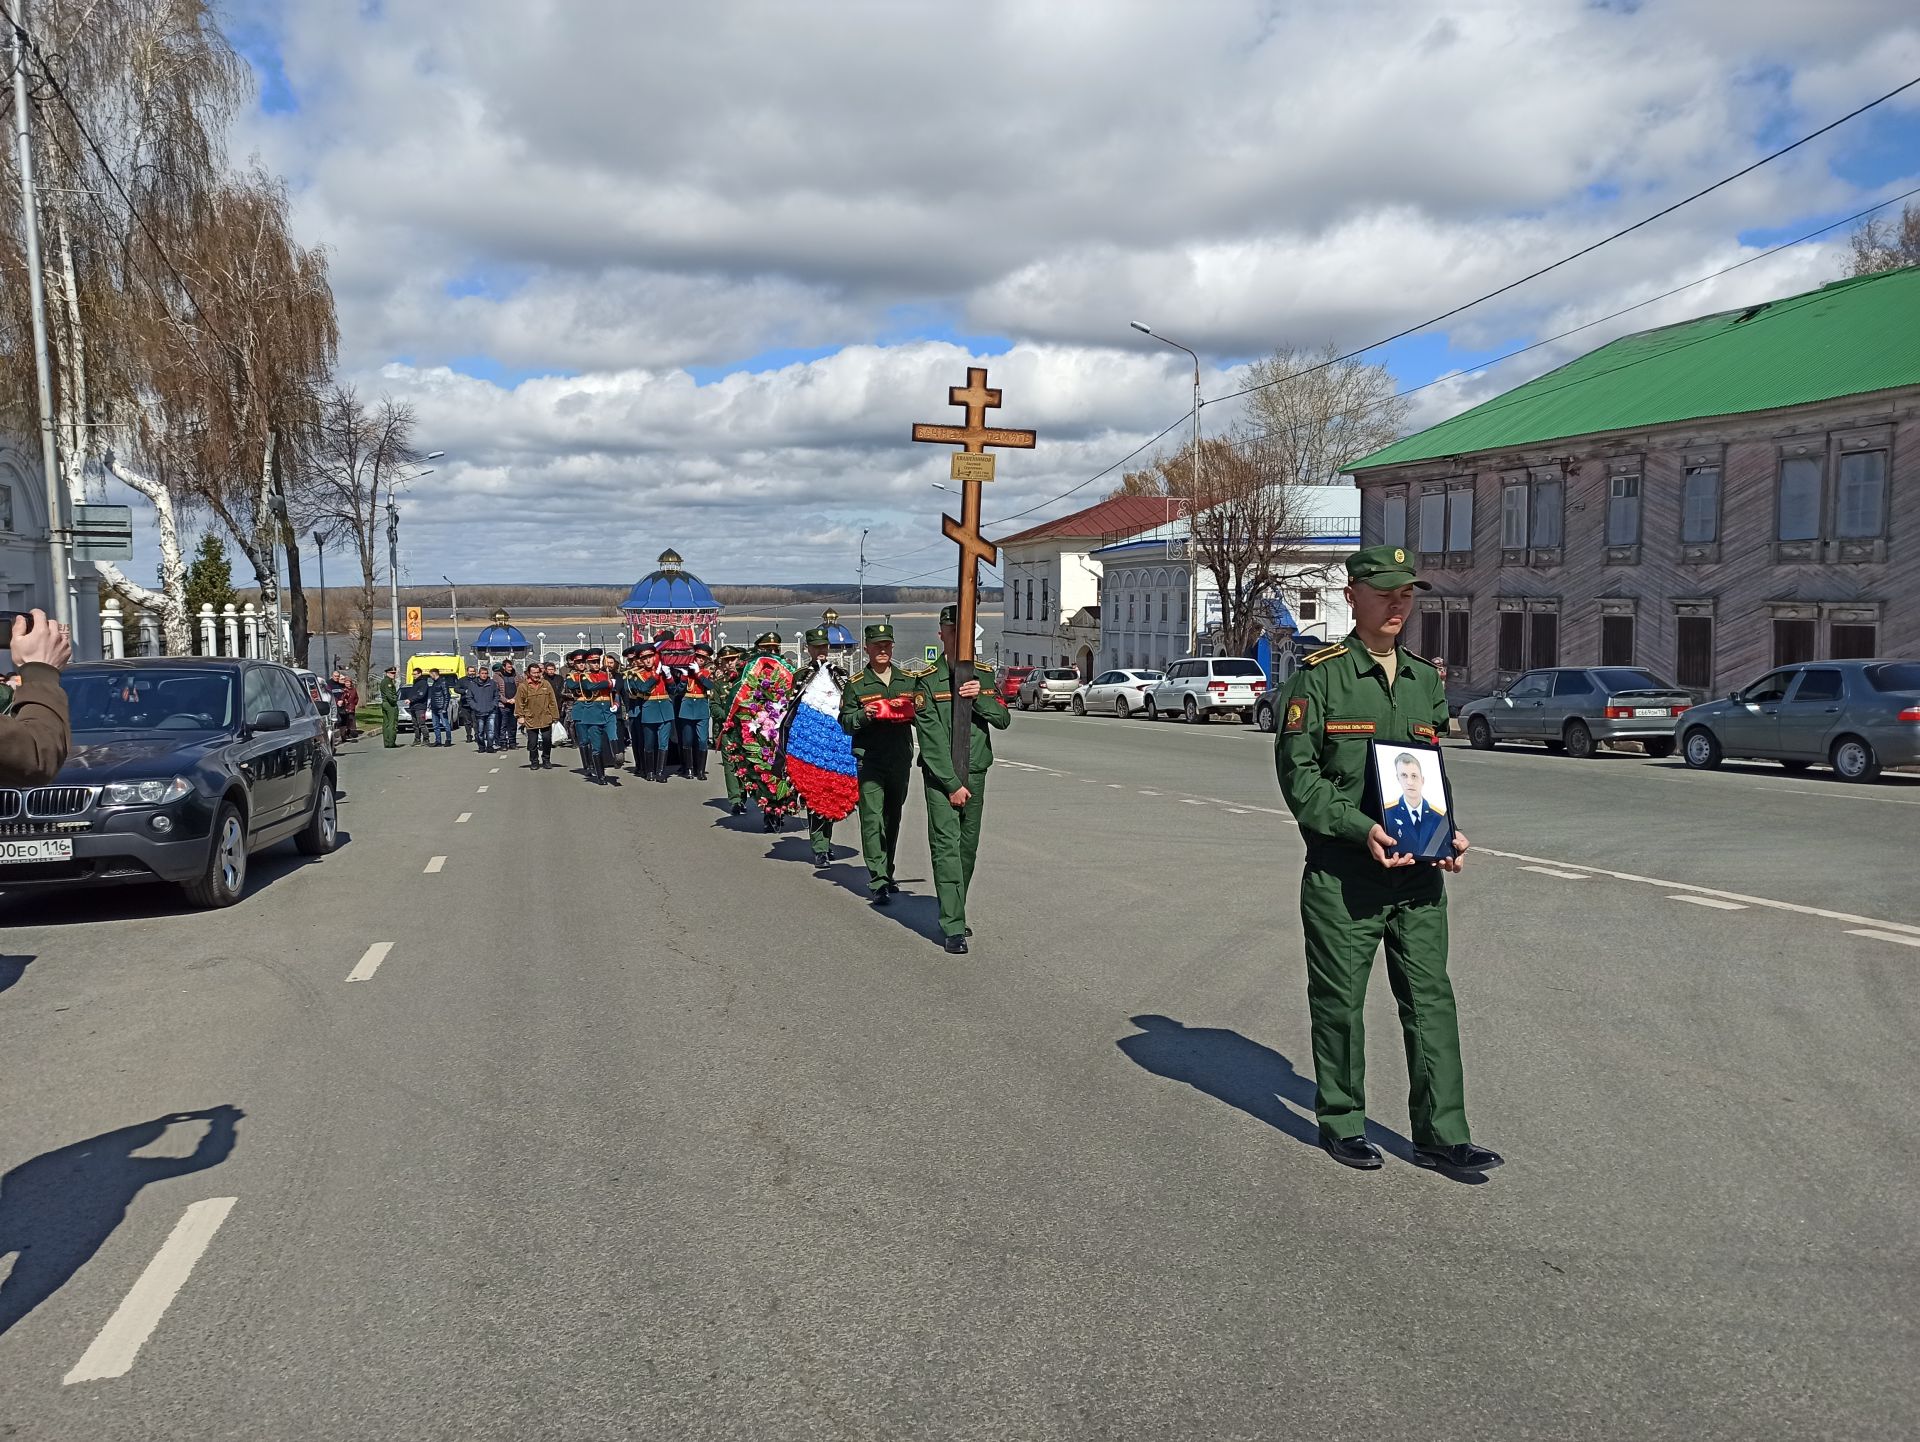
<point x="456" y="612"/>
<point x="326" y="653"/>
<point x="393" y="554"/>
<point x="863" y="583"/>
<point x="1166" y="340"/>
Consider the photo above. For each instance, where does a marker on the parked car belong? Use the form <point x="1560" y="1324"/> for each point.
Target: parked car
<point x="1121" y="692"/>
<point x="1010" y="679"/>
<point x="1195" y="687"/>
<point x="180" y="769"/>
<point x="1578" y="709"/>
<point x="1048" y="686"/>
<point x="1855" y="716"/>
<point x="324" y="702"/>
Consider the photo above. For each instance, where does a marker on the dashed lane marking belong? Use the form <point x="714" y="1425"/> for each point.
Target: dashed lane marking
<point x="463" y="818"/>
<point x="1814" y="789"/>
<point x="493" y="771"/>
<point x="1235" y="811"/>
<point x="1191" y="801"/>
<point x="369" y="962"/>
<point x="1713" y="901"/>
<point x="434" y="864"/>
<point x="1886" y="936"/>
<point x="127" y="1330"/>
<point x="1149" y="793"/>
<point x="1555" y="871"/>
<point x="481" y="792"/>
<point x="1793" y="906"/>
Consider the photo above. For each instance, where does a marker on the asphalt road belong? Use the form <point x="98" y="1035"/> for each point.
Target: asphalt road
<point x="639" y="1128"/>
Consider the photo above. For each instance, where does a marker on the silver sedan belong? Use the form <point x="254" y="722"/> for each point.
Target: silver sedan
<point x="1855" y="716"/>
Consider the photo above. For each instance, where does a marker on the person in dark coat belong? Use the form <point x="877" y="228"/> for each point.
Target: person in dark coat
<point x="508" y="681"/>
<point x="483" y="697"/>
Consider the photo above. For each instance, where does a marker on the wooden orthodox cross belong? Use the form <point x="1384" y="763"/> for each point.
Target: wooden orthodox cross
<point x="976" y="398"/>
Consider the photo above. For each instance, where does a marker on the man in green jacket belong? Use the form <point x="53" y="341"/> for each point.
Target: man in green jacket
<point x="1358" y="889"/>
<point x="389" y="709"/>
<point x="720" y="701"/>
<point x="955" y="804"/>
<point x="877" y="710"/>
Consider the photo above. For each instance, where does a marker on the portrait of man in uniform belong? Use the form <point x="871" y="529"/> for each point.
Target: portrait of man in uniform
<point x="1416" y="816"/>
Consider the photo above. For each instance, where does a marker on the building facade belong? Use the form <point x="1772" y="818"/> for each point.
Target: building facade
<point x="1158" y="603"/>
<point x="1051" y="576"/>
<point x="1622" y="511"/>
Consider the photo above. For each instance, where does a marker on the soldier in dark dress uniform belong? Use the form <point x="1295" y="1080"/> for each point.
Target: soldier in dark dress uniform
<point x="590" y="689"/>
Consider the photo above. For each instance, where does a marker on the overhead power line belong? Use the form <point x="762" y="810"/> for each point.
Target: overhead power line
<point x="1568" y="259"/>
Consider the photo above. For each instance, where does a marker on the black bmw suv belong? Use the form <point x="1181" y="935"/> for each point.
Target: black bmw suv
<point x="181" y="767"/>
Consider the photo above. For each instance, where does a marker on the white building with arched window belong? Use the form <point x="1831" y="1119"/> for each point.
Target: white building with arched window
<point x="1158" y="603"/>
<point x="1051" y="607"/>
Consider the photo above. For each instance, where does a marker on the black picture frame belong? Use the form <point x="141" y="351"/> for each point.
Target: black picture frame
<point x="1431" y="827"/>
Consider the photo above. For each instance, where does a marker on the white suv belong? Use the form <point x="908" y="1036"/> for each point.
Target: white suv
<point x="1201" y="685"/>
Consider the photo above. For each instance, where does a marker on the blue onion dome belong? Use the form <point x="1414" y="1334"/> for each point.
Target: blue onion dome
<point x="671" y="588"/>
<point x="500" y="636"/>
<point x="837" y="635"/>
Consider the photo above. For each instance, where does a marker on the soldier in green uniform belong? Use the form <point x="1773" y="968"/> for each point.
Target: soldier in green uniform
<point x="389" y="709"/>
<point x="819" y="828"/>
<point x="876" y="709"/>
<point x="955" y="804"/>
<point x="719" y="702"/>
<point x="1357" y="891"/>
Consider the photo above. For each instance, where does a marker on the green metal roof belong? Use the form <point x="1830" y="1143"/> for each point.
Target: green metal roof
<point x="1848" y="338"/>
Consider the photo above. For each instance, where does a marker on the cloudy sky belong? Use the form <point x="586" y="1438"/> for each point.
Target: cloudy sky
<point x="683" y="274"/>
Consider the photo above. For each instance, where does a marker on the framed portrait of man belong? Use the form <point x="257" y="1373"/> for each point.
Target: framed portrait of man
<point x="1414" y="802"/>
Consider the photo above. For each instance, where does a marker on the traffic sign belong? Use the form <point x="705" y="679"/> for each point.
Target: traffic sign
<point x="102" y="533"/>
<point x="933" y="654"/>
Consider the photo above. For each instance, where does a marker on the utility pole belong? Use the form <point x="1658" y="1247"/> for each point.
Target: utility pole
<point x="326" y="651"/>
<point x="863" y="583"/>
<point x="393" y="570"/>
<point x="455" y="591"/>
<point x="63" y="608"/>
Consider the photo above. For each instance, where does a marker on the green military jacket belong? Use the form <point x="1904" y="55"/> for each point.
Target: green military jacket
<point x="880" y="740"/>
<point x="1337" y="703"/>
<point x="933" y="724"/>
<point x="720" y="698"/>
<point x="389" y="693"/>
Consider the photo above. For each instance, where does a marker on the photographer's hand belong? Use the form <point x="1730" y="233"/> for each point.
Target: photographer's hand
<point x="47" y="642"/>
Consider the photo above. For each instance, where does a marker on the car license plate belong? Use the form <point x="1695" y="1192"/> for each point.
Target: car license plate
<point x="53" y="848"/>
<point x="1650" y="710"/>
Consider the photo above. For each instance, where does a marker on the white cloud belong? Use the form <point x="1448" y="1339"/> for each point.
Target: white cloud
<point x="617" y="193"/>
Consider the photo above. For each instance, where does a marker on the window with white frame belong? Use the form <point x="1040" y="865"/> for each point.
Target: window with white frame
<point x="1531" y="513"/>
<point x="1860" y="496"/>
<point x="1308" y="608"/>
<point x="1623" y="509"/>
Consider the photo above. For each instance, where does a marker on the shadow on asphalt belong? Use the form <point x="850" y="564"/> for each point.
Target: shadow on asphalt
<point x="12" y="968"/>
<point x="918" y="914"/>
<point x="57" y="1209"/>
<point x="1242" y="1073"/>
<point x="148" y="901"/>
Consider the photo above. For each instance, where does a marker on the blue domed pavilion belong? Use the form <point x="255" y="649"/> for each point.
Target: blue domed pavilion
<point x="500" y="641"/>
<point x="672" y="599"/>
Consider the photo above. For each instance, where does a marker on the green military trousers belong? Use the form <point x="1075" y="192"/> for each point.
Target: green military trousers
<point x="1346" y="913"/>
<point x="820" y="835"/>
<point x="883" y="795"/>
<point x="389" y="725"/>
<point x="953" y="836"/>
<point x="732" y="779"/>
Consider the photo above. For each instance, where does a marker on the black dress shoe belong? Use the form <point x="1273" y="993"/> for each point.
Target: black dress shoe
<point x="821" y="863"/>
<point x="1356" y="1152"/>
<point x="739" y="808"/>
<point x="1466" y="1157"/>
<point x="882" y="897"/>
<point x="956" y="946"/>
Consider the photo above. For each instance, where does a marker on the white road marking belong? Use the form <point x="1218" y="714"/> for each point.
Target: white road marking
<point x="1236" y="811"/>
<point x="127" y="1330"/>
<point x="369" y="963"/>
<point x="1115" y="786"/>
<point x="1023" y="765"/>
<point x="463" y="818"/>
<point x="1742" y="897"/>
<point x="493" y="771"/>
<point x="1849" y="795"/>
<point x="1563" y="875"/>
<point x="1191" y="801"/>
<point x="434" y="863"/>
<point x="1149" y="793"/>
<point x="482" y="791"/>
<point x="1887" y="936"/>
<point x="1715" y="902"/>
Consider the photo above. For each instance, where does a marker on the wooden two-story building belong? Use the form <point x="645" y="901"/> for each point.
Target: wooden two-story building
<point x="1704" y="500"/>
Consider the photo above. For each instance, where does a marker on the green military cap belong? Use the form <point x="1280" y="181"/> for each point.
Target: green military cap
<point x="728" y="653"/>
<point x="817" y="636"/>
<point x="880" y="631"/>
<point x="1385" y="568"/>
<point x="949" y="615"/>
<point x="768" y="639"/>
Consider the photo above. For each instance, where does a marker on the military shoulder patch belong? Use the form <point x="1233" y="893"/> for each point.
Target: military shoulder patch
<point x="1350" y="728"/>
<point x="1325" y="653"/>
<point x="1296" y="719"/>
<point x="1423" y="731"/>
